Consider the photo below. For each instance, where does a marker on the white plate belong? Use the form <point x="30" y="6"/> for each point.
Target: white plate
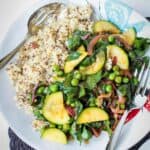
<point x="20" y="122"/>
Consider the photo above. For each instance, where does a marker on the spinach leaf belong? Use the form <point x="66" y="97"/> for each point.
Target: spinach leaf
<point x="107" y="127"/>
<point x="73" y="130"/>
<point x="73" y="55"/>
<point x="80" y="33"/>
<point x="86" y="134"/>
<point x="96" y="124"/>
<point x="70" y="91"/>
<point x="68" y="79"/>
<point x="92" y="80"/>
<point x="79" y="135"/>
<point x="79" y="107"/>
<point x="88" y="60"/>
<point x="101" y="45"/>
<point x="76" y="40"/>
<point x="37" y="113"/>
<point x="141" y="45"/>
<point x="122" y="90"/>
<point x="82" y="92"/>
<point x="73" y="42"/>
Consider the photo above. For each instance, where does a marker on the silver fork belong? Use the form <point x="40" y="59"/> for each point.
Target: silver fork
<point x="35" y="22"/>
<point x="143" y="77"/>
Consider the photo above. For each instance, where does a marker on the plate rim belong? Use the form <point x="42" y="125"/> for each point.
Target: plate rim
<point x="31" y="8"/>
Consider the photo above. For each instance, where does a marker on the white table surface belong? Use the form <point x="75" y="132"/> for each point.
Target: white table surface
<point x="10" y="10"/>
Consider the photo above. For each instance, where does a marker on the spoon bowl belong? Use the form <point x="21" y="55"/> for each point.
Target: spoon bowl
<point x="35" y="22"/>
<point x="39" y="17"/>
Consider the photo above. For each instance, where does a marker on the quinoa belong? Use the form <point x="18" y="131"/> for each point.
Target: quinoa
<point x="40" y="52"/>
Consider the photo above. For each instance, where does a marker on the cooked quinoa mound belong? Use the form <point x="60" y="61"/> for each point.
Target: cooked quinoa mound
<point x="42" y="51"/>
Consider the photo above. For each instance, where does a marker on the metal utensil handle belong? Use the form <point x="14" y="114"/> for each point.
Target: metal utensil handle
<point x="141" y="142"/>
<point x="10" y="55"/>
<point x="113" y="141"/>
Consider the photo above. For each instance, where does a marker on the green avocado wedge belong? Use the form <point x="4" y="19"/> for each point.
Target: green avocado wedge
<point x="105" y="27"/>
<point x="120" y="54"/>
<point x="55" y="135"/>
<point x="54" y="110"/>
<point x="96" y="66"/>
<point x="130" y="36"/>
<point x="71" y="64"/>
<point x="92" y="114"/>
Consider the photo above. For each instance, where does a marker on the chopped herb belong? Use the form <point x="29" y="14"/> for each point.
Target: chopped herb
<point x="74" y="55"/>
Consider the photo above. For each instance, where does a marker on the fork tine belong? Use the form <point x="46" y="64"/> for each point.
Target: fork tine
<point x="147" y="73"/>
<point x="141" y="72"/>
<point x="39" y="21"/>
<point x="140" y="79"/>
<point x="38" y="16"/>
<point x="47" y="12"/>
<point x="135" y="73"/>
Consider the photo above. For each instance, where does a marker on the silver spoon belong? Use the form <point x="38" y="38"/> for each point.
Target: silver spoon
<point x="35" y="22"/>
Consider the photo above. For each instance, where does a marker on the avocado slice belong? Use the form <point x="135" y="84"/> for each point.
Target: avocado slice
<point x="81" y="49"/>
<point x="130" y="36"/>
<point x="105" y="27"/>
<point x="120" y="54"/>
<point x="96" y="66"/>
<point x="127" y="38"/>
<point x="54" y="110"/>
<point x="71" y="64"/>
<point x="55" y="135"/>
<point x="92" y="114"/>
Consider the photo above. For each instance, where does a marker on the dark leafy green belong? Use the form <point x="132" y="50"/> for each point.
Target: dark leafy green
<point x="86" y="134"/>
<point x="79" y="107"/>
<point x="141" y="46"/>
<point x="73" y="42"/>
<point x="76" y="40"/>
<point x="123" y="89"/>
<point x="96" y="124"/>
<point x="92" y="80"/>
<point x="37" y="113"/>
<point x="74" y="55"/>
<point x="82" y="92"/>
<point x="73" y="130"/>
<point x="107" y="127"/>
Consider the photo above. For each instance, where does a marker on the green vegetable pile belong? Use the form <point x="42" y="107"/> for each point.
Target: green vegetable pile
<point x="95" y="86"/>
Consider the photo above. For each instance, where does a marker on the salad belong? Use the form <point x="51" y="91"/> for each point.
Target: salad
<point x="95" y="86"/>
